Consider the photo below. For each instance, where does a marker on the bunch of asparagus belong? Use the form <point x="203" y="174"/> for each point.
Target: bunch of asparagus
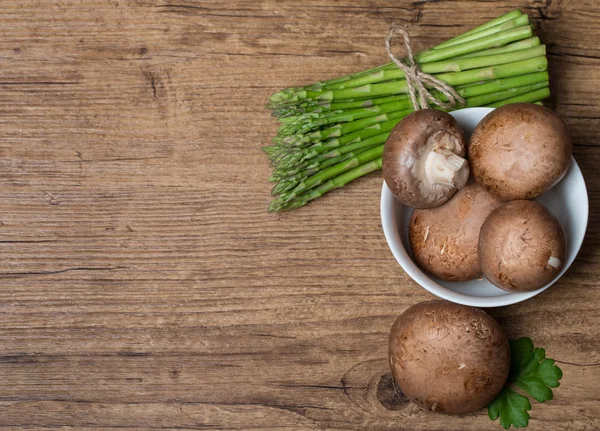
<point x="333" y="132"/>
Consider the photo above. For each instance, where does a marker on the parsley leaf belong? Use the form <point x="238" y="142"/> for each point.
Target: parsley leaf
<point x="511" y="407"/>
<point x="531" y="371"/>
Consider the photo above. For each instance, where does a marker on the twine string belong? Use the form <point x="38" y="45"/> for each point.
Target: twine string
<point x="418" y="82"/>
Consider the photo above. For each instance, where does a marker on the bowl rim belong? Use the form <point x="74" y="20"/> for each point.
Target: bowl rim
<point x="392" y="236"/>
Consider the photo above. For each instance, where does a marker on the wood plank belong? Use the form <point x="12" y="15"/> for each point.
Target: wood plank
<point x="144" y="285"/>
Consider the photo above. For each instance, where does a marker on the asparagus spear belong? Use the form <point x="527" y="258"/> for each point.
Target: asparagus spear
<point x="519" y="21"/>
<point x="530" y="42"/>
<point x="506" y="17"/>
<point x="314" y="176"/>
<point x="342" y="129"/>
<point x="310" y="167"/>
<point x="320" y="154"/>
<point x="341" y="180"/>
<point x="480" y="87"/>
<point x="336" y="182"/>
<point x="492" y="41"/>
<point x="486" y="99"/>
<point x="284" y="158"/>
<point x="535" y="64"/>
<point x="453" y="65"/>
<point x="531" y="97"/>
<point x="307" y="122"/>
<point x="333" y="171"/>
<point x="525" y="93"/>
<point x="333" y="131"/>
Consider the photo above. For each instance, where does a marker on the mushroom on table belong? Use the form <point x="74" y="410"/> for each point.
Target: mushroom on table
<point x="448" y="358"/>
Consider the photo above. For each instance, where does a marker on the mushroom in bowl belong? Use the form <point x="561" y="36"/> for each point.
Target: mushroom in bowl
<point x="519" y="151"/>
<point x="444" y="239"/>
<point x="567" y="201"/>
<point x="424" y="159"/>
<point x="521" y="246"/>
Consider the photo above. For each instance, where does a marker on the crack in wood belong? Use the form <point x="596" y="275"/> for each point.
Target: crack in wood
<point x="153" y="83"/>
<point x="572" y="54"/>
<point x="25" y="241"/>
<point x="38" y="83"/>
<point x="60" y="271"/>
<point x="578" y="365"/>
<point x="292" y="385"/>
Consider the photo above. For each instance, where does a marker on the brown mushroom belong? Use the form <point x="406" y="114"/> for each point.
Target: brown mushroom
<point x="520" y="150"/>
<point x="448" y="358"/>
<point x="423" y="159"/>
<point x="522" y="246"/>
<point x="444" y="239"/>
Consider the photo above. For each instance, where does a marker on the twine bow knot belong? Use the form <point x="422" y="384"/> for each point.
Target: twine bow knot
<point x="418" y="81"/>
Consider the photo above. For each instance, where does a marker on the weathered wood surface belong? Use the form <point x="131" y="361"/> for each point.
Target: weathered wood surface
<point x="144" y="285"/>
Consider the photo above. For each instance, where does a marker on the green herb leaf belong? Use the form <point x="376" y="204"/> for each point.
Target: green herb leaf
<point x="531" y="371"/>
<point x="538" y="375"/>
<point x="512" y="409"/>
<point x="521" y="352"/>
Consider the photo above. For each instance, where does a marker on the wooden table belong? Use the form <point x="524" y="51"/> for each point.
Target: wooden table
<point x="143" y="283"/>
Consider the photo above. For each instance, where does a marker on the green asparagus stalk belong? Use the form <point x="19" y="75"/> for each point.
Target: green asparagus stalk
<point x="333" y="132"/>
<point x="306" y="123"/>
<point x="530" y="42"/>
<point x="293" y="159"/>
<point x="527" y="91"/>
<point x="531" y="97"/>
<point x="492" y="41"/>
<point x="333" y="148"/>
<point x="298" y="157"/>
<point x="342" y="129"/>
<point x="506" y="17"/>
<point x="309" y="167"/>
<point x="336" y="182"/>
<point x="480" y="87"/>
<point x="466" y="91"/>
<point x="356" y="139"/>
<point x="320" y="155"/>
<point x="487" y="99"/>
<point x="424" y="57"/>
<point x="519" y="21"/>
<point x="348" y="138"/>
<point x="486" y="87"/>
<point x="289" y="183"/>
<point x="535" y="64"/>
<point x="334" y="171"/>
<point x="453" y="65"/>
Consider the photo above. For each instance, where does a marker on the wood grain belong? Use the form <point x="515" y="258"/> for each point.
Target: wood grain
<point x="143" y="284"/>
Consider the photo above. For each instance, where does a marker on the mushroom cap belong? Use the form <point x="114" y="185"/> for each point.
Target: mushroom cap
<point x="405" y="153"/>
<point x="522" y="246"/>
<point x="444" y="239"/>
<point x="520" y="150"/>
<point x="448" y="358"/>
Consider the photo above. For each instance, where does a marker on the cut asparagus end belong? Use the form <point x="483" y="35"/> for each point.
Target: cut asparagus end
<point x="444" y="167"/>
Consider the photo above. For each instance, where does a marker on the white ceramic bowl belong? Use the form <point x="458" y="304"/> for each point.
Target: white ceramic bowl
<point x="568" y="201"/>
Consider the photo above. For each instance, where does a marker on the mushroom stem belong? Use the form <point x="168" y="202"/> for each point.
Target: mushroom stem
<point x="444" y="167"/>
